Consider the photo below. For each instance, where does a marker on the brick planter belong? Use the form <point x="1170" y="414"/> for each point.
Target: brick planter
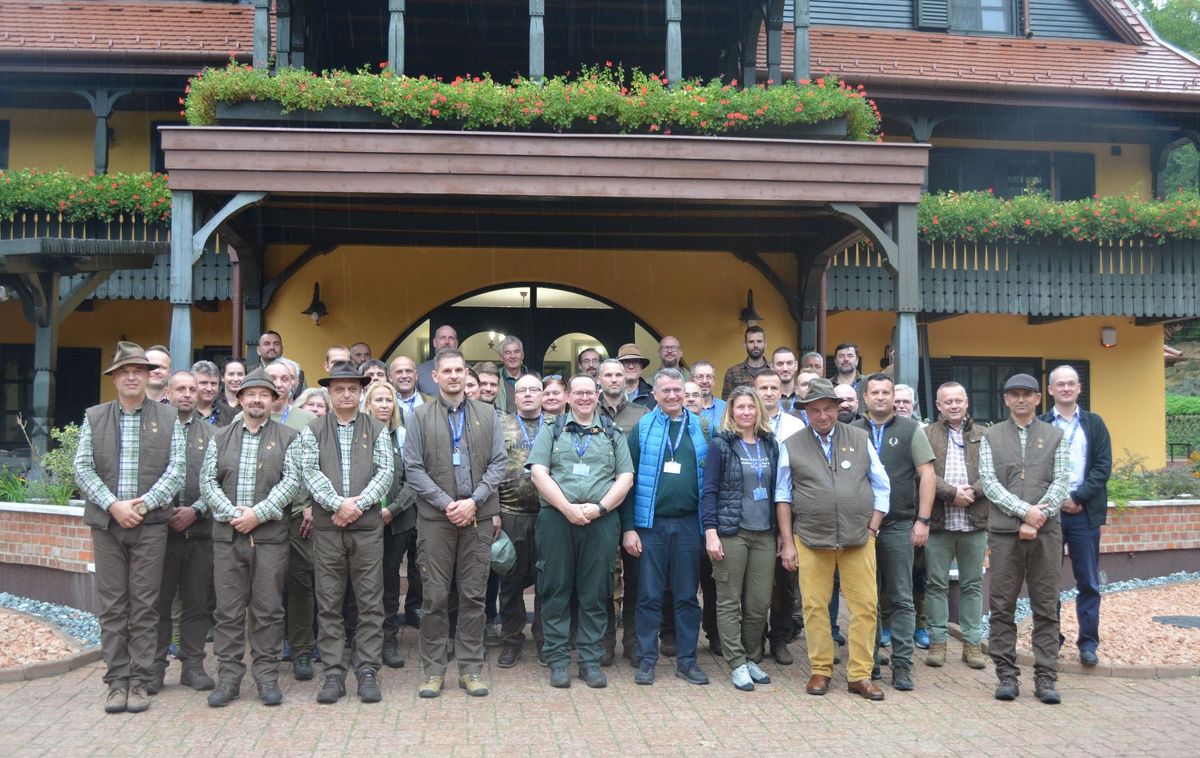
<point x="46" y="554"/>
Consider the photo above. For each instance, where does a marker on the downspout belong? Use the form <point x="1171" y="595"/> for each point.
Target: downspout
<point x="1026" y="24"/>
<point x="235" y="297"/>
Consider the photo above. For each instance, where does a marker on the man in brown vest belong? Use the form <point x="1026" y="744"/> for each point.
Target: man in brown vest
<point x="348" y="466"/>
<point x="831" y="494"/>
<point x="1025" y="465"/>
<point x="188" y="566"/>
<point x="250" y="473"/>
<point x="129" y="465"/>
<point x="455" y="459"/>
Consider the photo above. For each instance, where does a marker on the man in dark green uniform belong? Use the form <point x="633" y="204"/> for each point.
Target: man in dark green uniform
<point x="582" y="470"/>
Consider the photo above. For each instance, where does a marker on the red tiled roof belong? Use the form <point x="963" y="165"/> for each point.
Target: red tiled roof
<point x="95" y="27"/>
<point x="885" y="60"/>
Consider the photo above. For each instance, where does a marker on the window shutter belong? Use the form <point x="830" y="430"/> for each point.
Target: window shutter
<point x="933" y="14"/>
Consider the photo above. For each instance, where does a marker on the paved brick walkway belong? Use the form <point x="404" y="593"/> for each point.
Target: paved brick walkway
<point x="951" y="713"/>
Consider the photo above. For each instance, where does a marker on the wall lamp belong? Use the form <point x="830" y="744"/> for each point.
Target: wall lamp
<point x="316" y="310"/>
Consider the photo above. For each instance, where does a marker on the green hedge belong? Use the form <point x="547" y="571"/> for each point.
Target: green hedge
<point x="1183" y="405"/>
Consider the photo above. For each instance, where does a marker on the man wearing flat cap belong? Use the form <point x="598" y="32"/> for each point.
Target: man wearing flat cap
<point x="251" y="472"/>
<point x="1025" y="466"/>
<point x="129" y="466"/>
<point x="348" y="466"/>
<point x="831" y="494"/>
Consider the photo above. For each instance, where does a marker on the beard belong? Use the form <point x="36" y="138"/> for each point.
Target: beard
<point x="846" y="416"/>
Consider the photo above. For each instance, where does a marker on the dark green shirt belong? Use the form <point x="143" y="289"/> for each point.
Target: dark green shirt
<point x="678" y="494"/>
<point x="560" y="456"/>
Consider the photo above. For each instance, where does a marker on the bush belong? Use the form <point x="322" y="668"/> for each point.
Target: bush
<point x="1183" y="405"/>
<point x="83" y="198"/>
<point x="1131" y="480"/>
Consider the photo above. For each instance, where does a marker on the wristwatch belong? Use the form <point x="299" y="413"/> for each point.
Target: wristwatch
<point x="923" y="519"/>
<point x="601" y="508"/>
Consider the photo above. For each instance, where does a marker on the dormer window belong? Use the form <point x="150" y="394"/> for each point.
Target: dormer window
<point x="986" y="16"/>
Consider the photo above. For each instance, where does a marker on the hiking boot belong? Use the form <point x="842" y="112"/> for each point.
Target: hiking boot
<point x="645" y="673"/>
<point x="666" y="646"/>
<point x="116" y="700"/>
<point x="937" y="655"/>
<point x="196" y="678"/>
<point x="223" y="695"/>
<point x="391" y="654"/>
<point x="491" y="635"/>
<point x="269" y="692"/>
<point x="781" y="654"/>
<point x="902" y="679"/>
<point x="973" y="656"/>
<point x="1008" y="689"/>
<point x="368" y="686"/>
<point x="560" y="676"/>
<point x="473" y="684"/>
<point x="742" y="680"/>
<point x="509" y="657"/>
<point x="692" y="675"/>
<point x="302" y="668"/>
<point x="156" y="683"/>
<point x="757" y="675"/>
<point x="1045" y="691"/>
<point x="333" y="690"/>
<point x="592" y="676"/>
<point x="138" y="699"/>
<point x="431" y="687"/>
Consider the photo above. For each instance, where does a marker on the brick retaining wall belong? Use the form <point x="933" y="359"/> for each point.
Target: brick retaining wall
<point x="1152" y="525"/>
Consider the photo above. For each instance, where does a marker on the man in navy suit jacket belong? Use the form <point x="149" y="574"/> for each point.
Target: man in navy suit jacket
<point x="1086" y="509"/>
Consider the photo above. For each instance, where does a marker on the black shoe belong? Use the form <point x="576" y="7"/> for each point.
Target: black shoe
<point x="491" y="635"/>
<point x="1008" y="689"/>
<point x="692" y="675"/>
<point x="839" y="639"/>
<point x="302" y="668"/>
<point x="269" y="694"/>
<point x="412" y="617"/>
<point x="1045" y="691"/>
<point x="223" y="695"/>
<point x="333" y="690"/>
<point x="560" y="676"/>
<point x="368" y="686"/>
<point x="509" y="657"/>
<point x="666" y="646"/>
<point x="902" y="679"/>
<point x="876" y="674"/>
<point x="542" y="661"/>
<point x="714" y="647"/>
<point x="155" y="685"/>
<point x="391" y="655"/>
<point x="645" y="673"/>
<point x="607" y="658"/>
<point x="197" y="678"/>
<point x="1086" y="657"/>
<point x="592" y="676"/>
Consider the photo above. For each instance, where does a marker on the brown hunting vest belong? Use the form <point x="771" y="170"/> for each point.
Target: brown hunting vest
<point x="274" y="439"/>
<point x="198" y="434"/>
<point x="832" y="502"/>
<point x="1027" y="476"/>
<point x="154" y="453"/>
<point x="362" y="466"/>
<point x="437" y="449"/>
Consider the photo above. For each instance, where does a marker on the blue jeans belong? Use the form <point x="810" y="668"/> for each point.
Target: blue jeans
<point x="670" y="557"/>
<point x="1082" y="542"/>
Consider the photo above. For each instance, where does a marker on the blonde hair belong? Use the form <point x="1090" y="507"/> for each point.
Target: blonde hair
<point x="374" y="388"/>
<point x="761" y="426"/>
<point x="308" y="393"/>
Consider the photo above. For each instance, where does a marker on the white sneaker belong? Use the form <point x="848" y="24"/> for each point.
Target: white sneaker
<point x="757" y="675"/>
<point x="741" y="678"/>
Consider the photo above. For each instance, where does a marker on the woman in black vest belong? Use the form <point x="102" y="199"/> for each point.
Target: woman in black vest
<point x="737" y="515"/>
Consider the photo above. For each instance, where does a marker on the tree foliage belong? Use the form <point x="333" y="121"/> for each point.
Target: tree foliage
<point x="1176" y="21"/>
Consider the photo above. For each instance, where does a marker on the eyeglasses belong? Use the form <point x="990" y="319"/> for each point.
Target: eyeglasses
<point x="528" y="390"/>
<point x="583" y="393"/>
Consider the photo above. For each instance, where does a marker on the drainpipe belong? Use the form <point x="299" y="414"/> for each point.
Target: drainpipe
<point x="236" y="298"/>
<point x="1026" y="24"/>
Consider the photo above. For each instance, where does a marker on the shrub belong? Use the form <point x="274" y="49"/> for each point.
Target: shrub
<point x="1183" y="405"/>
<point x="81" y="198"/>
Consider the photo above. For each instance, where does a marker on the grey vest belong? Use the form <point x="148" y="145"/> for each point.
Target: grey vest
<point x="198" y="434"/>
<point x="273" y="443"/>
<point x="154" y="453"/>
<point x="831" y="504"/>
<point x="896" y="456"/>
<point x="436" y="451"/>
<point x="362" y="466"/>
<point x="1027" y="476"/>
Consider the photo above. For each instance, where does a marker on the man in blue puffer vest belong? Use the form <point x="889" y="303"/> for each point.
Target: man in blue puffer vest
<point x="662" y="525"/>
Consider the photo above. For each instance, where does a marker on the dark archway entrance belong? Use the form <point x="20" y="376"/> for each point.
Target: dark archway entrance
<point x="541" y="314"/>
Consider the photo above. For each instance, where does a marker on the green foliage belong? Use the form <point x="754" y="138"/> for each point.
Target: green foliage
<point x="82" y="198"/>
<point x="1176" y="21"/>
<point x="59" y="463"/>
<point x="1183" y="169"/>
<point x="13" y="487"/>
<point x="1183" y="405"/>
<point x="1131" y="480"/>
<point x="1034" y="215"/>
<point x="605" y="99"/>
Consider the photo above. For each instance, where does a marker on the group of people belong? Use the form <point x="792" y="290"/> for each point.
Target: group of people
<point x="251" y="503"/>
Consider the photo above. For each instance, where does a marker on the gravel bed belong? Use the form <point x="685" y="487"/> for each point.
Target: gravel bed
<point x="28" y="639"/>
<point x="80" y="625"/>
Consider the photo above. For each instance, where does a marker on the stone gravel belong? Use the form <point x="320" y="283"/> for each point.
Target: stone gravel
<point x="81" y="625"/>
<point x="28" y="639"/>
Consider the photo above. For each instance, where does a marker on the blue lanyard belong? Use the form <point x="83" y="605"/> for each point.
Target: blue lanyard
<point x="525" y="432"/>
<point x="456" y="433"/>
<point x="960" y="441"/>
<point x="581" y="449"/>
<point x="286" y="410"/>
<point x="778" y="419"/>
<point x="755" y="461"/>
<point x="1073" y="427"/>
<point x="826" y="447"/>
<point x="877" y="435"/>
<point x="409" y="402"/>
<point x="678" y="437"/>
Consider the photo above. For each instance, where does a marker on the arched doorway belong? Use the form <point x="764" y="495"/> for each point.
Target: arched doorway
<point x="554" y="322"/>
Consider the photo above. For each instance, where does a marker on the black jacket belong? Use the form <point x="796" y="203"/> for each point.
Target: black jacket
<point x="1092" y="494"/>
<point x="721" y="500"/>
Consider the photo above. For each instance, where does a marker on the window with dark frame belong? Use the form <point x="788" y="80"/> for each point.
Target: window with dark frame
<point x="5" y="130"/>
<point x="983" y="16"/>
<point x="71" y="396"/>
<point x="984" y="378"/>
<point x="1066" y="175"/>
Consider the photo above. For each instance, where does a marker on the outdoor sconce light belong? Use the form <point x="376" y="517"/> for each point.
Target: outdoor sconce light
<point x="749" y="315"/>
<point x="316" y="310"/>
<point x="1108" y="336"/>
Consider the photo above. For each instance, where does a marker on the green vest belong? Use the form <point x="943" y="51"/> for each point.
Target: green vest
<point x="832" y="502"/>
<point x="273" y="442"/>
<point x="297" y="419"/>
<point x="362" y="466"/>
<point x="517" y="493"/>
<point x="437" y="449"/>
<point x="198" y="435"/>
<point x="897" y="458"/>
<point x="1027" y="476"/>
<point x="154" y="453"/>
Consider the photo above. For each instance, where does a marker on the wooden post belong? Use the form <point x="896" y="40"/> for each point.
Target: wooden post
<point x="801" y="68"/>
<point x="283" y="34"/>
<point x="396" y="36"/>
<point x="537" y="40"/>
<point x="674" y="41"/>
<point x="262" y="34"/>
<point x="908" y="294"/>
<point x="182" y="226"/>
<point x="775" y="42"/>
<point x="102" y="101"/>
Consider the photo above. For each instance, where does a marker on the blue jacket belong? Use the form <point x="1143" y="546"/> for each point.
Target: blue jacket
<point x="652" y="434"/>
<point x="1093" y="490"/>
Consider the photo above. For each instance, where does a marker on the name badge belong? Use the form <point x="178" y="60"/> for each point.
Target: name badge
<point x="845" y="464"/>
<point x="456" y="459"/>
<point x="760" y="493"/>
<point x="581" y="469"/>
<point x="672" y="467"/>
